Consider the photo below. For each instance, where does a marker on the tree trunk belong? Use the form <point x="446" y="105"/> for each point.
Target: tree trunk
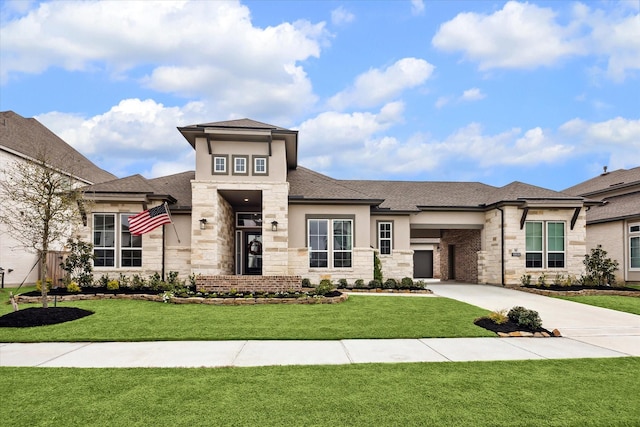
<point x="43" y="278"/>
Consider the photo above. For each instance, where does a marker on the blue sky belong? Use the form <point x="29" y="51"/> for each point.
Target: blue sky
<point x="541" y="92"/>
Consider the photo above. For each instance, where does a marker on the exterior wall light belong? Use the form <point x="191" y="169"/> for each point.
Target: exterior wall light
<point x="203" y="223"/>
<point x="274" y="225"/>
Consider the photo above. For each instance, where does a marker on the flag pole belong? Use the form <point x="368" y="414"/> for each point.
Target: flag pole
<point x="166" y="207"/>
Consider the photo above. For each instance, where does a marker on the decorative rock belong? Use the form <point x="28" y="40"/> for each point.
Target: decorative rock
<point x="515" y="334"/>
<point x="538" y="335"/>
<point x="546" y="335"/>
<point x="503" y="334"/>
<point x="525" y="334"/>
<point x="556" y="333"/>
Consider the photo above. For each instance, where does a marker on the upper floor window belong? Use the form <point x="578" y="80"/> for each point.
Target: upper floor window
<point x="385" y="237"/>
<point x="541" y="246"/>
<point x="220" y="165"/>
<point x="240" y="165"/>
<point x="330" y="243"/>
<point x="634" y="246"/>
<point x="260" y="166"/>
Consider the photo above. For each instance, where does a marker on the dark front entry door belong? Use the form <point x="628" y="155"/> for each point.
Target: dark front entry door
<point x="253" y="252"/>
<point x="423" y="264"/>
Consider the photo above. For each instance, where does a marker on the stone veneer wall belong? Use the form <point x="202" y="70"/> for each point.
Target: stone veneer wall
<point x="489" y="260"/>
<point x="362" y="267"/>
<point x="248" y="283"/>
<point x="468" y="244"/>
<point x="397" y="265"/>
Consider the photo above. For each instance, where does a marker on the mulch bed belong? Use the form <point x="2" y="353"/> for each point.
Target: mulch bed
<point x="506" y="327"/>
<point x="38" y="316"/>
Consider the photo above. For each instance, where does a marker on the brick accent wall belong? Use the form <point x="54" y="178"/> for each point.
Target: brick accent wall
<point x="467" y="244"/>
<point x="248" y="283"/>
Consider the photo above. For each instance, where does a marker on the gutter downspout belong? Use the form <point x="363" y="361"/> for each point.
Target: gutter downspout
<point x="501" y="244"/>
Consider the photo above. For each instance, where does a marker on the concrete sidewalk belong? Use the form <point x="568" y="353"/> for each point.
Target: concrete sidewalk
<point x="588" y="332"/>
<point x="265" y="353"/>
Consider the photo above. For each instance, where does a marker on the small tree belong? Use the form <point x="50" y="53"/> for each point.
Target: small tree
<point x="377" y="267"/>
<point x="40" y="202"/>
<point x="600" y="269"/>
<point x="78" y="264"/>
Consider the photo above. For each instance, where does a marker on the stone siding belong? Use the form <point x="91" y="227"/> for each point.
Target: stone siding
<point x="397" y="265"/>
<point x="225" y="283"/>
<point x="362" y="267"/>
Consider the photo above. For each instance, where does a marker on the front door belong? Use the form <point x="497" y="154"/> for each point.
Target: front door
<point x="253" y="252"/>
<point x="423" y="264"/>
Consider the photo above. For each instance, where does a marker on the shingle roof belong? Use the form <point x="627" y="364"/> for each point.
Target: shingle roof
<point x="177" y="186"/>
<point x="238" y="123"/>
<point x="28" y="136"/>
<point x="607" y="181"/>
<point x="615" y="208"/>
<point x="520" y="191"/>
<point x="307" y="184"/>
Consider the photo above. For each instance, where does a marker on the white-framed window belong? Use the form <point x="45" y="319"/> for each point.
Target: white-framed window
<point x="111" y="249"/>
<point x="240" y="165"/>
<point x="330" y="243"/>
<point x="260" y="165"/>
<point x="220" y="165"/>
<point x="634" y="246"/>
<point x="385" y="237"/>
<point x="545" y="244"/>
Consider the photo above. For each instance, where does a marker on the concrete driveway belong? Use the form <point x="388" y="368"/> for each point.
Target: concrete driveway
<point x="594" y="325"/>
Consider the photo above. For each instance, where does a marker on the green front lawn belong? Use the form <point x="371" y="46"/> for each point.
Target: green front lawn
<point x="614" y="302"/>
<point x="581" y="392"/>
<point x="358" y="317"/>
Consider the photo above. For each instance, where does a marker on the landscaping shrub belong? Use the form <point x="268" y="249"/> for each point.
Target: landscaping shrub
<point x="306" y="283"/>
<point x="374" y="284"/>
<point x="600" y="269"/>
<point x="525" y="317"/>
<point x="420" y="284"/>
<point x="390" y="284"/>
<point x="525" y="279"/>
<point x="73" y="287"/>
<point x="39" y="285"/>
<point x="342" y="284"/>
<point x="499" y="317"/>
<point x="77" y="264"/>
<point x="406" y="283"/>
<point x="324" y="287"/>
<point x="359" y="284"/>
<point x="542" y="280"/>
<point x="113" y="285"/>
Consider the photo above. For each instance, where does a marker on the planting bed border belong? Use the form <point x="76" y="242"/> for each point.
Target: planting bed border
<point x="580" y="293"/>
<point x="188" y="300"/>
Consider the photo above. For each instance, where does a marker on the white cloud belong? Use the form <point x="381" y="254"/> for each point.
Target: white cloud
<point x="442" y="101"/>
<point x="520" y="35"/>
<point x="524" y="35"/>
<point x="341" y="16"/>
<point x="473" y="94"/>
<point x="376" y="87"/>
<point x="191" y="48"/>
<point x="132" y="133"/>
<point x="417" y="7"/>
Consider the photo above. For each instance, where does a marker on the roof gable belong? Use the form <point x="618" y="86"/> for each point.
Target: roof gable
<point x="608" y="181"/>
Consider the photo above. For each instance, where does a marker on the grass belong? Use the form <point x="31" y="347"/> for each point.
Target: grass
<point x="358" y="317"/>
<point x="614" y="302"/>
<point x="580" y="392"/>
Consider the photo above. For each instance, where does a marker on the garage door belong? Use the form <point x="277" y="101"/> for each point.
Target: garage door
<point x="423" y="264"/>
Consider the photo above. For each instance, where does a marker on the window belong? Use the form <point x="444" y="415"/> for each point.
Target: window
<point x="330" y="242"/>
<point x="130" y="245"/>
<point x="260" y="166"/>
<point x="385" y="237"/>
<point x="535" y="247"/>
<point x="240" y="165"/>
<point x="634" y="247"/>
<point x="105" y="244"/>
<point x="104" y="240"/>
<point x="220" y="165"/>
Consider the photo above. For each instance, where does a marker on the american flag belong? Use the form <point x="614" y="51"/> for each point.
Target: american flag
<point x="148" y="220"/>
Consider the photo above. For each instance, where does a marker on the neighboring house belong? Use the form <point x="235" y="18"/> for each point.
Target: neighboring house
<point x="20" y="138"/>
<point x="249" y="209"/>
<point x="615" y="224"/>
